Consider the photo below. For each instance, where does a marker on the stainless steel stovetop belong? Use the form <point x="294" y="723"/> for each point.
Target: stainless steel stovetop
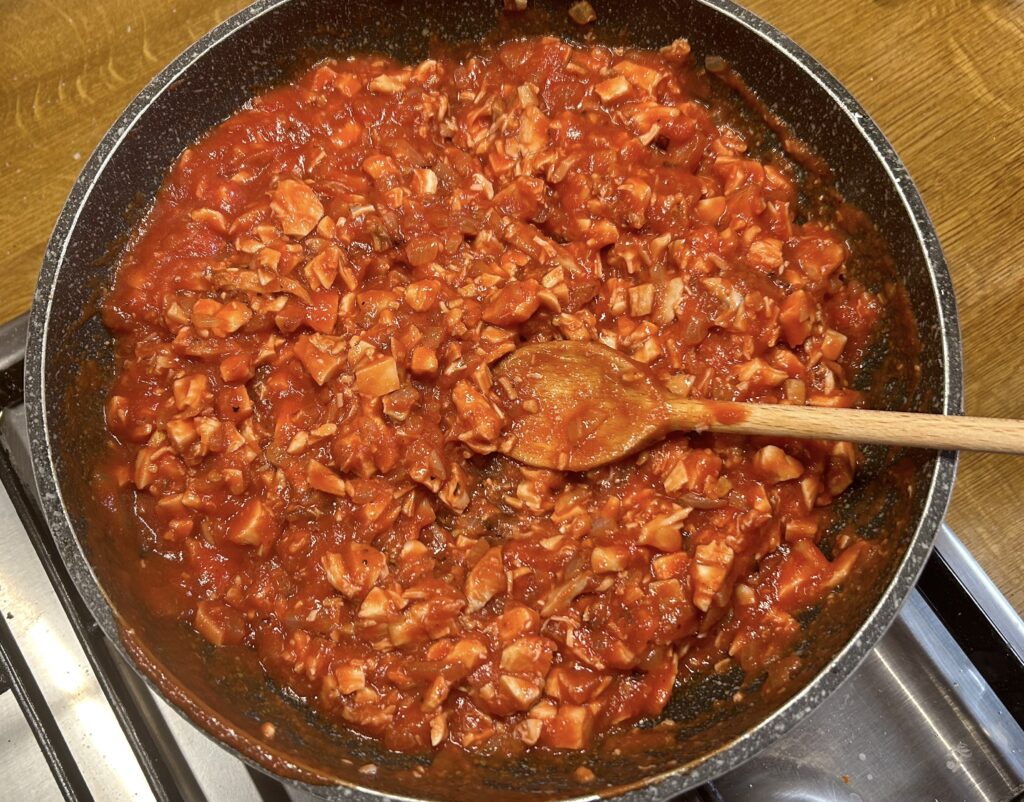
<point x="929" y="715"/>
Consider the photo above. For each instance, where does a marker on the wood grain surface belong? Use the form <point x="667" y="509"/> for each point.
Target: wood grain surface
<point x="943" y="78"/>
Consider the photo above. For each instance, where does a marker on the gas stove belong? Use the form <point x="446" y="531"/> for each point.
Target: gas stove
<point x="933" y="713"/>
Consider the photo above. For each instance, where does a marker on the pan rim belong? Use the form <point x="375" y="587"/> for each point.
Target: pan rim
<point x="662" y="786"/>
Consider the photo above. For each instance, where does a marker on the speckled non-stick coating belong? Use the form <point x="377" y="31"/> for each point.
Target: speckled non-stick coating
<point x="269" y="42"/>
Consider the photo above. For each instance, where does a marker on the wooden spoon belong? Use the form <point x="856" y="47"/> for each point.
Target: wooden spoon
<point x="575" y="406"/>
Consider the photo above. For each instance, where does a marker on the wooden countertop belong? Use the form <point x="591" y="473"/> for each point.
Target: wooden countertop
<point x="941" y="77"/>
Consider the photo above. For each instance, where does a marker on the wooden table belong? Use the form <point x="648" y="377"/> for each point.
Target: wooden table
<point x="941" y="77"/>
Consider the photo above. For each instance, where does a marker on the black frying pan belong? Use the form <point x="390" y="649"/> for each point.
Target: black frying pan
<point x="899" y="499"/>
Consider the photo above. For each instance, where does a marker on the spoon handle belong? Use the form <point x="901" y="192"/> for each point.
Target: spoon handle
<point x="912" y="429"/>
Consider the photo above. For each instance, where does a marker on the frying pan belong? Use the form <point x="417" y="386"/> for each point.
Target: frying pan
<point x="898" y="500"/>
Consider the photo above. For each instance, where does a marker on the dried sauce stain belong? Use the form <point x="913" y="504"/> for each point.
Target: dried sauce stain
<point x="725" y="412"/>
<point x="305" y="423"/>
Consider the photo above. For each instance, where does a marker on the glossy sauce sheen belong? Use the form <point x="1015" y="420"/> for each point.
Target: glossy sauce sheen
<point x="305" y="424"/>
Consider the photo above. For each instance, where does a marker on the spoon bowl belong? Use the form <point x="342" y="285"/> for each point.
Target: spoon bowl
<point x="577" y="405"/>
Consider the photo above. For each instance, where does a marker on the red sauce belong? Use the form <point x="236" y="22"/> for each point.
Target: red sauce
<point x="305" y="420"/>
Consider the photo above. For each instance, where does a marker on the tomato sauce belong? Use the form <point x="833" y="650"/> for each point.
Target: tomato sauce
<point x="306" y="425"/>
